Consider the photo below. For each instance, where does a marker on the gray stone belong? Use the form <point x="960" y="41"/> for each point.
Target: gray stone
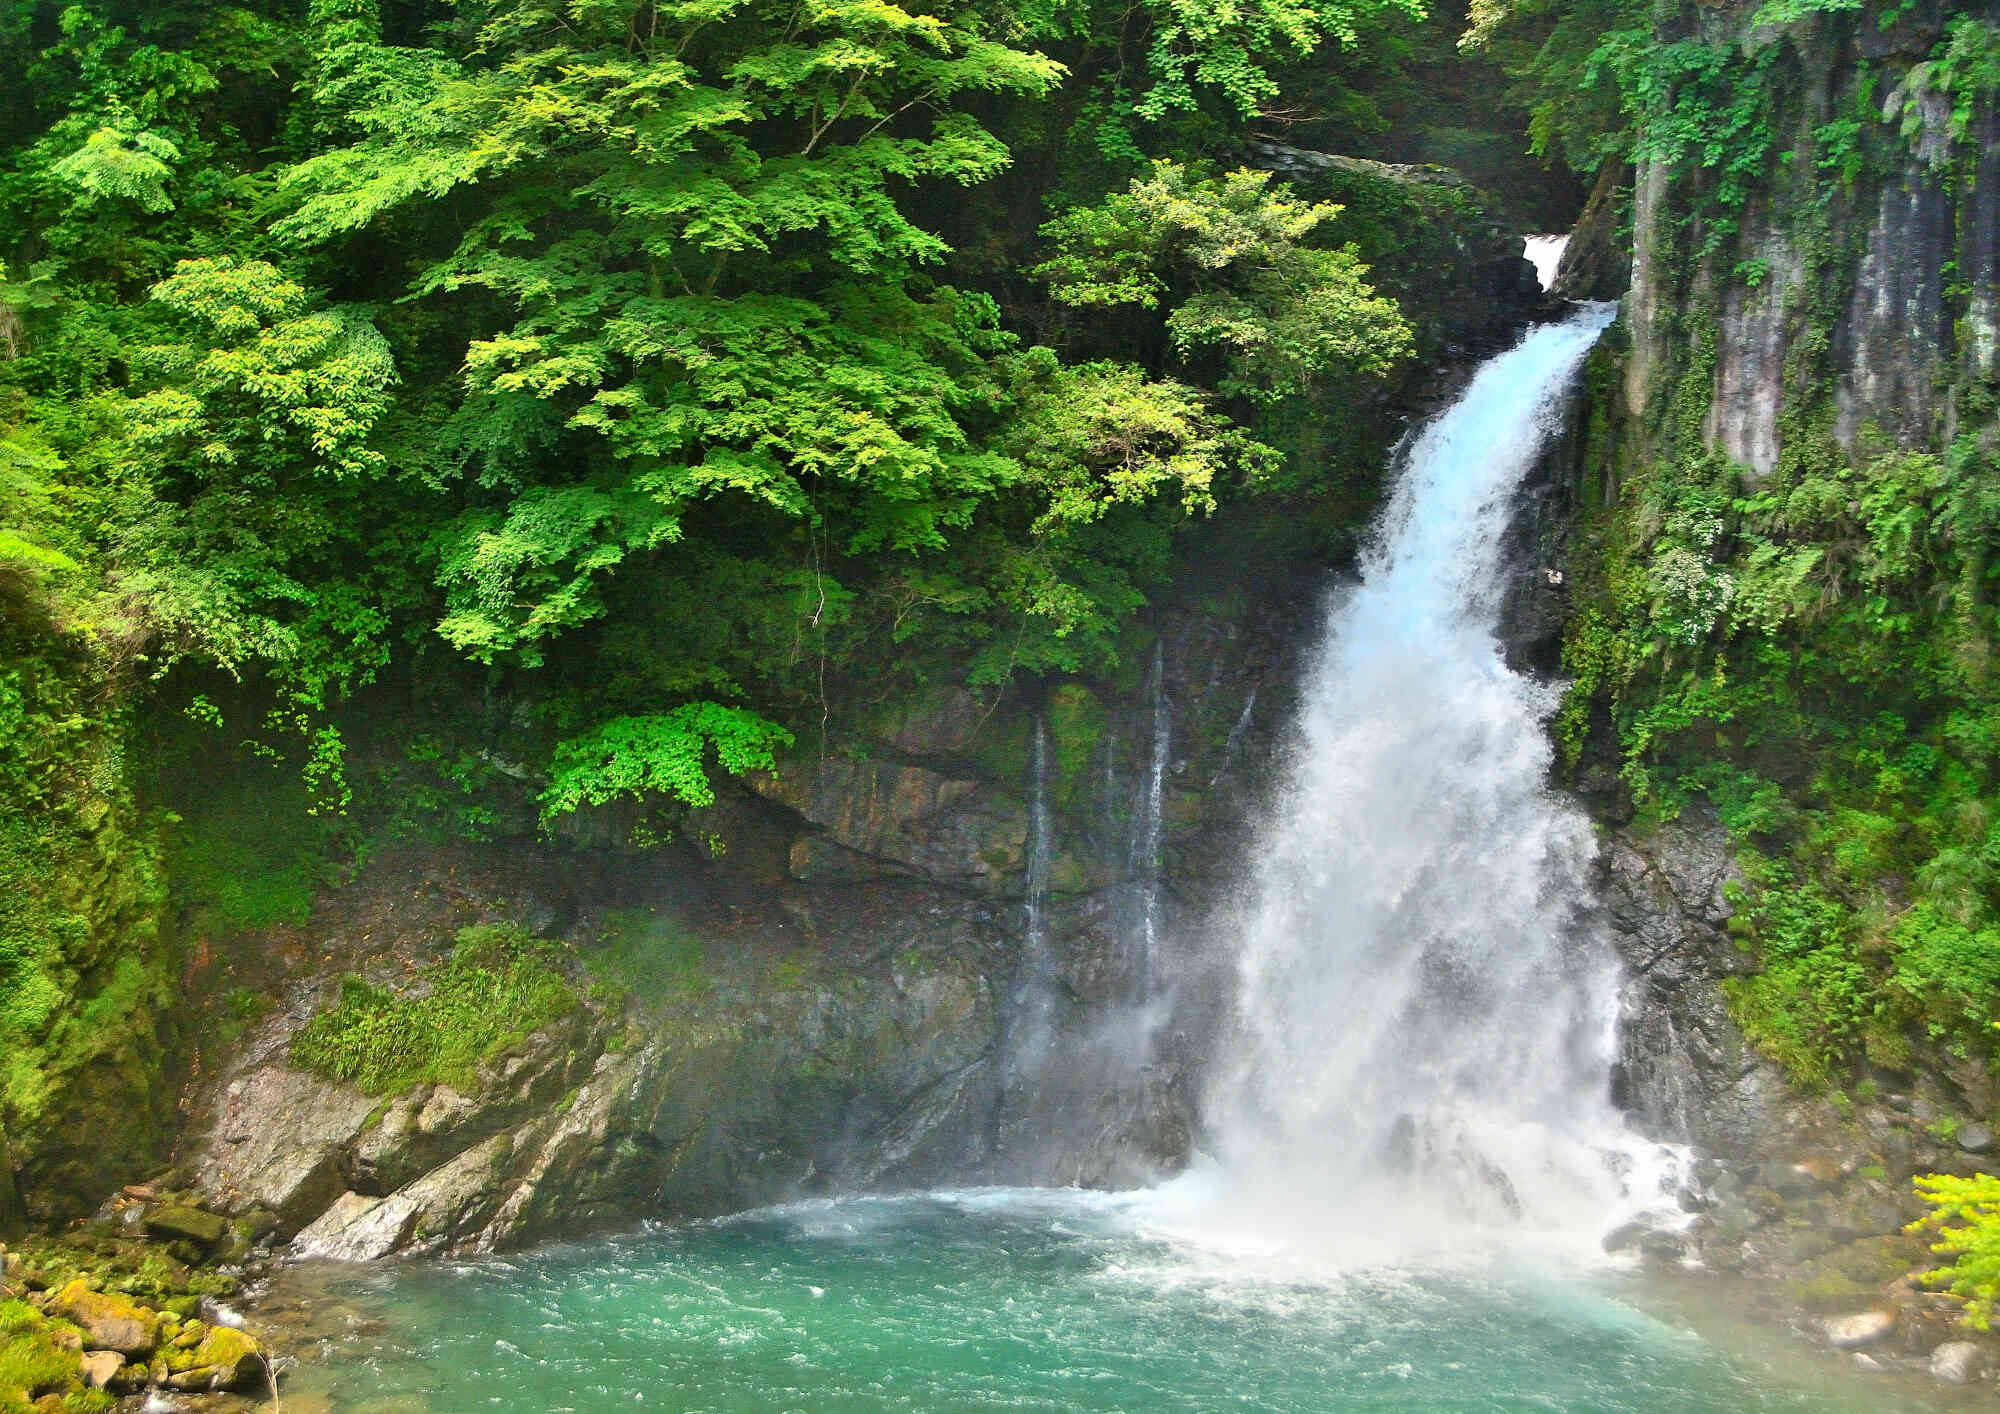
<point x="277" y="1143"/>
<point x="1758" y="326"/>
<point x="101" y="1367"/>
<point x="1862" y="1328"/>
<point x="355" y="1229"/>
<point x="1975" y="1138"/>
<point x="1957" y="1362"/>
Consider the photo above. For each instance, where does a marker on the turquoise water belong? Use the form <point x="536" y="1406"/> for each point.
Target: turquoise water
<point x="1000" y="1300"/>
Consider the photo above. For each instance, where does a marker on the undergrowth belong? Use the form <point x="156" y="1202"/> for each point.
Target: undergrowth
<point x="31" y="1361"/>
<point x="250" y="854"/>
<point x="1811" y="654"/>
<point x="498" y="986"/>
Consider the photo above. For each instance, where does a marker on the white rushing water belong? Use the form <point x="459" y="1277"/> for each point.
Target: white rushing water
<point x="1426" y="1015"/>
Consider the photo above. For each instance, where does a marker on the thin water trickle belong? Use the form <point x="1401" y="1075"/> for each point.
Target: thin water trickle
<point x="1150" y="834"/>
<point x="1041" y="851"/>
<point x="1426" y="1015"/>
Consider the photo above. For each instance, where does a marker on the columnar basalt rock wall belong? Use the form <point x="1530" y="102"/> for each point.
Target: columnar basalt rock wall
<point x="1880" y="288"/>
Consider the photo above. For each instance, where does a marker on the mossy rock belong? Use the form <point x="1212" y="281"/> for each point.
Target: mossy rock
<point x="108" y="1320"/>
<point x="226" y="1359"/>
<point x="186" y="1224"/>
<point x="1854" y="1273"/>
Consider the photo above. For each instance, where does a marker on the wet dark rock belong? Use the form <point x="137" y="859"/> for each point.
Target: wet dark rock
<point x="1596" y="264"/>
<point x="1685" y="1071"/>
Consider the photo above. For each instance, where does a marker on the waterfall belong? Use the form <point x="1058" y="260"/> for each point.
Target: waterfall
<point x="1426" y="1010"/>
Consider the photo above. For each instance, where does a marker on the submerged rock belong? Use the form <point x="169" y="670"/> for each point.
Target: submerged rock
<point x="1862" y="1328"/>
<point x="1957" y="1362"/>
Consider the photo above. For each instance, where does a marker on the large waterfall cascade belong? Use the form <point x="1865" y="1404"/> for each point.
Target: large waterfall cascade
<point x="1427" y="1013"/>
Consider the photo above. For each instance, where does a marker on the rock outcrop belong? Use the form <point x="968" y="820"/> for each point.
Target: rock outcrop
<point x="1885" y="288"/>
<point x="749" y="1089"/>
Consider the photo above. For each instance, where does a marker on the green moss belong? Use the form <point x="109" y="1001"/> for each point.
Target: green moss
<point x="789" y="974"/>
<point x="250" y="853"/>
<point x="652" y="957"/>
<point x="30" y="1359"/>
<point x="84" y="979"/>
<point x="498" y="986"/>
<point x="1075" y="721"/>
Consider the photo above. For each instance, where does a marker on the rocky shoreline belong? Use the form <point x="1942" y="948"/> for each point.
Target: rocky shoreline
<point x="129" y="1309"/>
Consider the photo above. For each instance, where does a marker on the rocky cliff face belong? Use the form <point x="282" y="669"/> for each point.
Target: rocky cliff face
<point x="1883" y="287"/>
<point x="1846" y="308"/>
<point x="904" y="979"/>
<point x="848" y="1053"/>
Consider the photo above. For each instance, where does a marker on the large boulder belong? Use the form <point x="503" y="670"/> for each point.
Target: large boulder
<point x="277" y="1142"/>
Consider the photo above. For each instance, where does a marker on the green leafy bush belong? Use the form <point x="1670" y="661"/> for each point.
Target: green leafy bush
<point x="663" y="752"/>
<point x="498" y="986"/>
<point x="1965" y="1219"/>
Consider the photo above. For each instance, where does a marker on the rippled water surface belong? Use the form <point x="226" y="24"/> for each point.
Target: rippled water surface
<point x="1004" y="1300"/>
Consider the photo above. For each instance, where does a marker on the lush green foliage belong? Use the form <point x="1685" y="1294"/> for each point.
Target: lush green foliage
<point x="1228" y="256"/>
<point x="629" y="756"/>
<point x="614" y="350"/>
<point x="1811" y="654"/>
<point x="496" y="988"/>
<point x="1965" y="1219"/>
<point x="1626" y="81"/>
